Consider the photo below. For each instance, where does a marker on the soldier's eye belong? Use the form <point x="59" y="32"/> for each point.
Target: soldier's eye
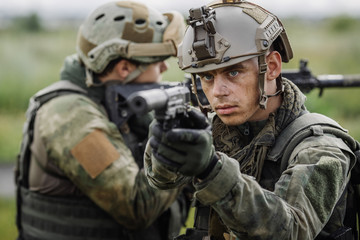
<point x="233" y="73"/>
<point x="206" y="77"/>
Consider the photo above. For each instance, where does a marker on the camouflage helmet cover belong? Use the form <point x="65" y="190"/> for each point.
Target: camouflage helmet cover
<point x="130" y="30"/>
<point x="228" y="32"/>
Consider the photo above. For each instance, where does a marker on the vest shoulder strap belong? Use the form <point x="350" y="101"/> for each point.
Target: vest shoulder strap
<point x="63" y="85"/>
<point x="303" y="127"/>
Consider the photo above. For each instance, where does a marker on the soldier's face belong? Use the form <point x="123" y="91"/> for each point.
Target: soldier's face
<point x="152" y="73"/>
<point x="233" y="92"/>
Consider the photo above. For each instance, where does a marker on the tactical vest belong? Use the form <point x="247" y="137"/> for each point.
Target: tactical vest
<point x="46" y="217"/>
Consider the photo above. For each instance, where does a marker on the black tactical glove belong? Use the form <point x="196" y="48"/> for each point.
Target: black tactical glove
<point x="187" y="149"/>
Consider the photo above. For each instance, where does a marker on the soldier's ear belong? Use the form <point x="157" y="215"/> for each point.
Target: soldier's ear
<point x="123" y="68"/>
<point x="273" y="60"/>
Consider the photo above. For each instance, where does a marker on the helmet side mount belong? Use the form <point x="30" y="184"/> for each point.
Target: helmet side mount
<point x="204" y="30"/>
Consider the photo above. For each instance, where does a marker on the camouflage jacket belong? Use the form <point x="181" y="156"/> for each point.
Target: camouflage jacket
<point x="90" y="156"/>
<point x="302" y="202"/>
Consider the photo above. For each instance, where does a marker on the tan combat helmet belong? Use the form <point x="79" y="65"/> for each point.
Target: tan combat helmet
<point x="228" y="32"/>
<point x="130" y="30"/>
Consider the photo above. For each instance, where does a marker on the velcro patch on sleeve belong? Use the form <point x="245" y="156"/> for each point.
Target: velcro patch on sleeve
<point x="95" y="153"/>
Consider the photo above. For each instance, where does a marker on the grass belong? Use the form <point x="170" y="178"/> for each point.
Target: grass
<point x="31" y="61"/>
<point x="7" y="219"/>
<point x="10" y="137"/>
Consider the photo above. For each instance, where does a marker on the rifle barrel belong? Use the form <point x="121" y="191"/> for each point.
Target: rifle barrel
<point x="329" y="81"/>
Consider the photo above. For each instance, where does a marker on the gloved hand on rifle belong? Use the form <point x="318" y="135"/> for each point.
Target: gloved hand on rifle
<point x="186" y="149"/>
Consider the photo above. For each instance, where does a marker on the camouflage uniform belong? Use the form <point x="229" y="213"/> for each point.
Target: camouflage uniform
<point x="250" y="195"/>
<point x="252" y="199"/>
<point x="266" y="204"/>
<point x="106" y="172"/>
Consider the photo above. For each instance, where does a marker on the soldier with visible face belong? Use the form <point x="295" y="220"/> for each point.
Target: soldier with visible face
<point x="236" y="49"/>
<point x="79" y="175"/>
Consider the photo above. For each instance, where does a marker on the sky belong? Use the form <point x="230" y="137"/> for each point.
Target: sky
<point x="282" y="8"/>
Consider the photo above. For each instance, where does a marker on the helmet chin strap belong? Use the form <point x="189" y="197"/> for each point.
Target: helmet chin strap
<point x="261" y="79"/>
<point x="279" y="86"/>
<point x="134" y="74"/>
<point x="90" y="79"/>
<point x="204" y="108"/>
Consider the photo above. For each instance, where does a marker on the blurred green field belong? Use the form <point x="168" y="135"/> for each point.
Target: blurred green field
<point x="32" y="60"/>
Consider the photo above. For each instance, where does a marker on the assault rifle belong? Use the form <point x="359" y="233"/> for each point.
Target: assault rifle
<point x="119" y="110"/>
<point x="304" y="79"/>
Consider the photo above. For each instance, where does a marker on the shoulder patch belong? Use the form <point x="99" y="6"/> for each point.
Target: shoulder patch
<point x="95" y="153"/>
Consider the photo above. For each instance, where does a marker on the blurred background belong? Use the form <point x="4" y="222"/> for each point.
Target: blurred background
<point x="36" y="36"/>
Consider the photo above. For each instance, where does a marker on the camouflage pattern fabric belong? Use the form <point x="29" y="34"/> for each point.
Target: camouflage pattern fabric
<point x="80" y="140"/>
<point x="301" y="202"/>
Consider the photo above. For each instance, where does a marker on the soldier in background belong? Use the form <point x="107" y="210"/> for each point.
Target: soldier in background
<point x="78" y="175"/>
<point x="236" y="48"/>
